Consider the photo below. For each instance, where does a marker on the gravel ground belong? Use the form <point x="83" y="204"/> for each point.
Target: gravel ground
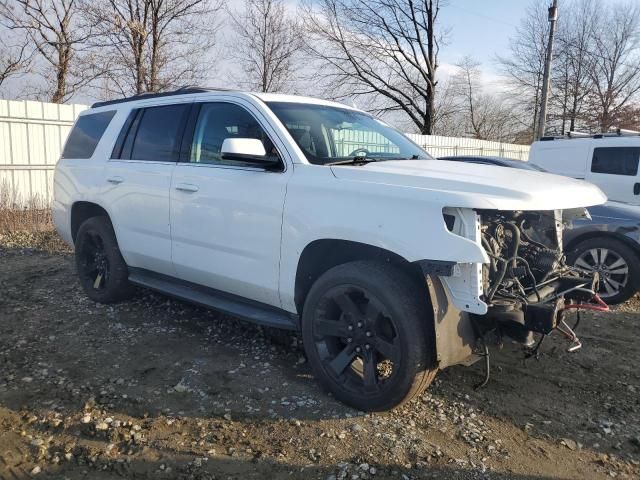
<point x="155" y="388"/>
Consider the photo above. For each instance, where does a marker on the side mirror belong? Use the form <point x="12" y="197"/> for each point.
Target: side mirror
<point x="250" y="150"/>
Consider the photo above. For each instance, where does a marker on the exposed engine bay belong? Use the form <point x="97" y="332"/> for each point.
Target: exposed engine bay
<point x="527" y="285"/>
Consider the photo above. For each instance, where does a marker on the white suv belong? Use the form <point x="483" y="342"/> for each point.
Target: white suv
<point x="304" y="214"/>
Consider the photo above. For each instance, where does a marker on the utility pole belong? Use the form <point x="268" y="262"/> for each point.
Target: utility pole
<point x="542" y="119"/>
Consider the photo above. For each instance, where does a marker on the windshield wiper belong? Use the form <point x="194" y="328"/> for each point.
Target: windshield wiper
<point x="363" y="160"/>
<point x="354" y="161"/>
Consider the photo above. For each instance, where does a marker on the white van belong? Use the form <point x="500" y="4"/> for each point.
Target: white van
<point x="608" y="160"/>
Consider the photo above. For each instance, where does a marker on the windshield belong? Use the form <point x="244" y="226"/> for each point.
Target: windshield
<point x="334" y="135"/>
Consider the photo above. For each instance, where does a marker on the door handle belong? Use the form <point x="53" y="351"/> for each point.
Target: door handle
<point x="186" y="187"/>
<point x="115" y="180"/>
<point x="636" y="189"/>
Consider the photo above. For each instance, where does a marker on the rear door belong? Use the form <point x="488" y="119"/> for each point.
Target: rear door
<point x="615" y="170"/>
<point x="137" y="184"/>
<point x="226" y="216"/>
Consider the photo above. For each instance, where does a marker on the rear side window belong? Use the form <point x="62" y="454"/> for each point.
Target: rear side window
<point x="153" y="134"/>
<point x="616" y="160"/>
<point x="86" y="134"/>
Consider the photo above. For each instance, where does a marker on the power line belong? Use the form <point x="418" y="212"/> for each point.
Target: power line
<point x="482" y="15"/>
<point x="564" y="42"/>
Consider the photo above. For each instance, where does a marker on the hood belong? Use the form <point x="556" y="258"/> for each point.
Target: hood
<point x="458" y="184"/>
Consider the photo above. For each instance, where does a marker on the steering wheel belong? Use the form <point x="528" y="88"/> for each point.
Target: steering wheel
<point x="359" y="150"/>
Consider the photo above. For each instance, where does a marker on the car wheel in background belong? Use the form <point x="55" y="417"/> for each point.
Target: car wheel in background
<point x="103" y="273"/>
<point x="616" y="263"/>
<point x="368" y="335"/>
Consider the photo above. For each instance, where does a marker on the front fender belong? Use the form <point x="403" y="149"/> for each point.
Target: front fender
<point x="319" y="206"/>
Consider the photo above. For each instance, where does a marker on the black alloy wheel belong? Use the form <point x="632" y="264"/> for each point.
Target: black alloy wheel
<point x="368" y="334"/>
<point x="356" y="338"/>
<point x="94" y="264"/>
<point x="103" y="273"/>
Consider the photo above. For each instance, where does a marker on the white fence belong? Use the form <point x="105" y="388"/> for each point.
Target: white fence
<point x="441" y="146"/>
<point x="32" y="135"/>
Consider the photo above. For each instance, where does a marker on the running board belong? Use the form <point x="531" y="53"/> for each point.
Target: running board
<point x="208" y="297"/>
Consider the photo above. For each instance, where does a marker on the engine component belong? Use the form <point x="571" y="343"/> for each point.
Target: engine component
<point x="543" y="318"/>
<point x="527" y="280"/>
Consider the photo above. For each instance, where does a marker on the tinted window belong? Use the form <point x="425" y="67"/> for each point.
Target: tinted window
<point x="616" y="160"/>
<point x="158" y="134"/>
<point x="122" y="136"/>
<point x="86" y="134"/>
<point x="218" y="121"/>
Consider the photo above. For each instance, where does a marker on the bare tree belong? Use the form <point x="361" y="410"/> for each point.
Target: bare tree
<point x="268" y="42"/>
<point x="382" y="48"/>
<point x="615" y="63"/>
<point x="14" y="59"/>
<point x="58" y="36"/>
<point x="153" y="45"/>
<point x="485" y="116"/>
<point x="449" y="110"/>
<point x="572" y="83"/>
<point x="524" y="66"/>
<point x="467" y="87"/>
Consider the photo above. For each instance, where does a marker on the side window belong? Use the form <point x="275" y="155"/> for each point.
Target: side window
<point x="217" y="121"/>
<point x="86" y="134"/>
<point x="616" y="160"/>
<point x="153" y="134"/>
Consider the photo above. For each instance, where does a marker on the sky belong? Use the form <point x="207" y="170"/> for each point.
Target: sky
<point x="479" y="28"/>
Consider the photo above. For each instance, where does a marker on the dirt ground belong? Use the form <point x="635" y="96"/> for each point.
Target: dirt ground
<point x="155" y="388"/>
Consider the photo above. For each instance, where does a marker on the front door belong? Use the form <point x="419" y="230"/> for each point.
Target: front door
<point x="226" y="216"/>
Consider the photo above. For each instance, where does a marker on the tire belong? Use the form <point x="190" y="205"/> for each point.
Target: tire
<point x="369" y="303"/>
<point x="619" y="270"/>
<point x="97" y="255"/>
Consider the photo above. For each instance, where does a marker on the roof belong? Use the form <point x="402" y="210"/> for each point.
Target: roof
<point x="144" y="96"/>
<point x="189" y="90"/>
<point x="283" y="97"/>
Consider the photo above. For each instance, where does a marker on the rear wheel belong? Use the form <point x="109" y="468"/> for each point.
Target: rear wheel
<point x="368" y="334"/>
<point x="102" y="271"/>
<point x="614" y="261"/>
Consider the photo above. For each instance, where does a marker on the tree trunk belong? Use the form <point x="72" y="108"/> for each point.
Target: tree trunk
<point x="430" y="110"/>
<point x="61" y="76"/>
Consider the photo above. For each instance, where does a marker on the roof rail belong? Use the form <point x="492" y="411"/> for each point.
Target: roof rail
<point x="624" y="131"/>
<point x="575" y="134"/>
<point x="141" y="96"/>
<point x="618" y="132"/>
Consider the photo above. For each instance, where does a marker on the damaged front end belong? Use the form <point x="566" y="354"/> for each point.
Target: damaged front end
<point x="527" y="285"/>
<point x="523" y="290"/>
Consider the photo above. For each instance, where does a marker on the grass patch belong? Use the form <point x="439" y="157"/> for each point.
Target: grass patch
<point x="27" y="223"/>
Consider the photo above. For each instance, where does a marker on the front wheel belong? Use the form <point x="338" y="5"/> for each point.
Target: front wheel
<point x="368" y="334"/>
<point x="102" y="271"/>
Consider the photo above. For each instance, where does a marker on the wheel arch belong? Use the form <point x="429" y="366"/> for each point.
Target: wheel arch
<point x="323" y="254"/>
<point x="83" y="210"/>
<point x="634" y="246"/>
<point x="452" y="328"/>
